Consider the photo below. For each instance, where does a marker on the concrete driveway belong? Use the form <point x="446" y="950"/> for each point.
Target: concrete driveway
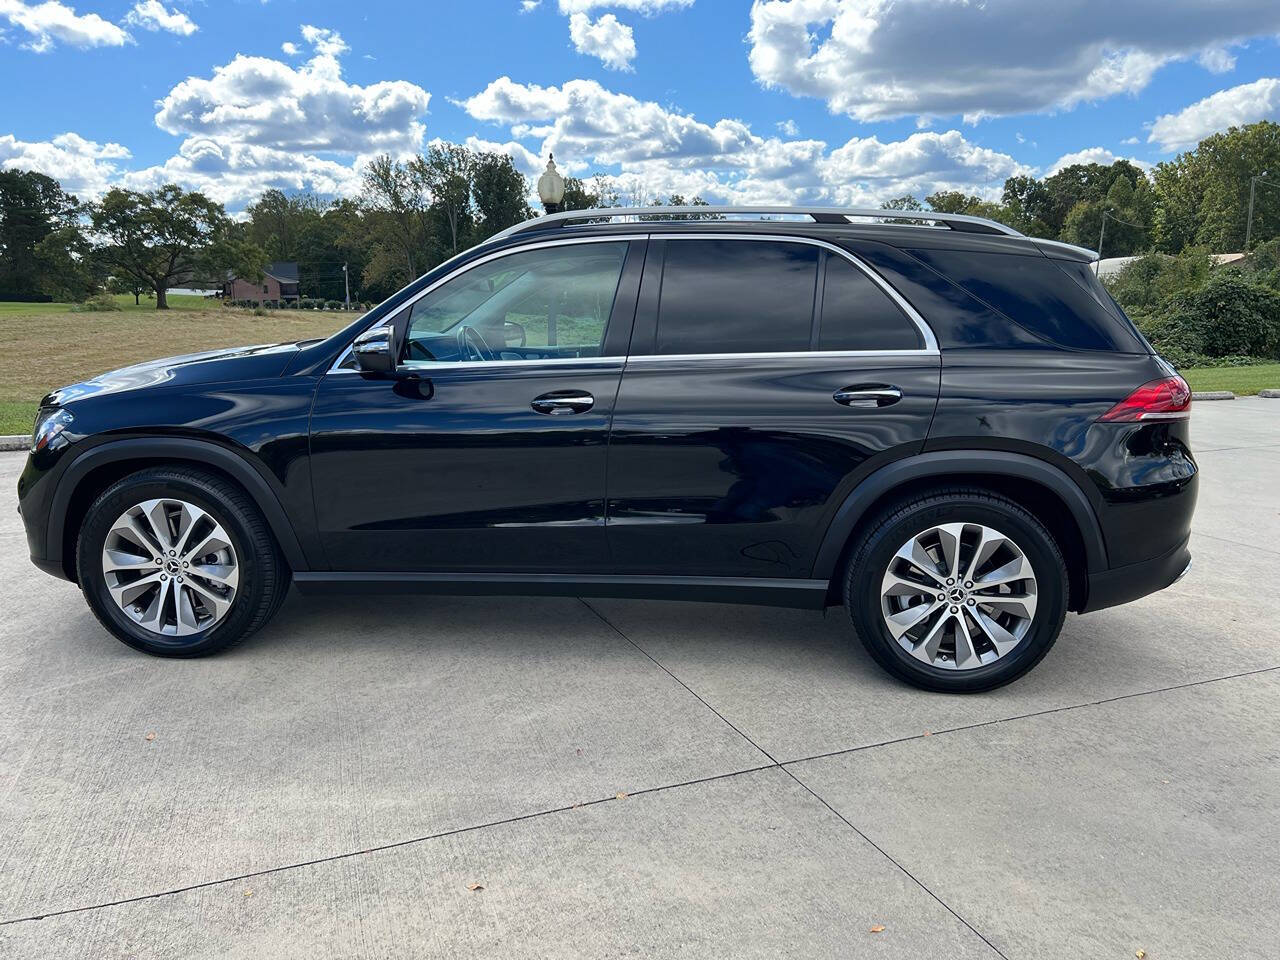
<point x="652" y="779"/>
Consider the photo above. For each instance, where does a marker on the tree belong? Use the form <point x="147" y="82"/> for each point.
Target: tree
<point x="163" y="237"/>
<point x="1203" y="194"/>
<point x="279" y="222"/>
<point x="397" y="199"/>
<point x="446" y="170"/>
<point x="905" y="202"/>
<point x="595" y="194"/>
<point x="500" y="192"/>
<point x="1129" y="211"/>
<point x="42" y="248"/>
<point x="1041" y="207"/>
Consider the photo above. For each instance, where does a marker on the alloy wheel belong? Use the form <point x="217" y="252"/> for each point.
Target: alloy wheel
<point x="959" y="596"/>
<point x="170" y="567"/>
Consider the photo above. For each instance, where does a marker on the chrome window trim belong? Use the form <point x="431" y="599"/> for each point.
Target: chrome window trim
<point x="784" y="355"/>
<point x="930" y="341"/>
<point x="495" y="255"/>
<point x="930" y="347"/>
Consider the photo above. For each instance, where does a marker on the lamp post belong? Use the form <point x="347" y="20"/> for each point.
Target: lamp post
<point x="346" y="284"/>
<point x="551" y="186"/>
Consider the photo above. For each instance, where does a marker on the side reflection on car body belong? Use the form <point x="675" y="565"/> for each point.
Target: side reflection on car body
<point x="947" y="427"/>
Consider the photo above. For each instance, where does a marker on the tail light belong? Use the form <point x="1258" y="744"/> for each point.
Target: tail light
<point x="1166" y="399"/>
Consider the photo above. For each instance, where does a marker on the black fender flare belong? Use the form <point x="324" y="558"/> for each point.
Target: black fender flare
<point x="177" y="448"/>
<point x="943" y="464"/>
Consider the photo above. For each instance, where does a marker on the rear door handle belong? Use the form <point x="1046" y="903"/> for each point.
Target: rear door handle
<point x="559" y="403"/>
<point x="868" y="395"/>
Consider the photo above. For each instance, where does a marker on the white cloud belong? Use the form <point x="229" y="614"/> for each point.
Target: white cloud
<point x="256" y="123"/>
<point x="998" y="57"/>
<point x="607" y="38"/>
<point x="289" y="49"/>
<point x="264" y="102"/>
<point x="659" y="151"/>
<point x="647" y="7"/>
<point x="83" y="167"/>
<point x="788" y="128"/>
<point x="52" y="22"/>
<point x="1233" y="107"/>
<point x="1092" y="155"/>
<point x="1217" y="60"/>
<point x="152" y="15"/>
<point x="528" y="6"/>
<point x="327" y="43"/>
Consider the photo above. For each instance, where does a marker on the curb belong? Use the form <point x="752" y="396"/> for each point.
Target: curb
<point x="1214" y="395"/>
<point x="21" y="442"/>
<point x="1270" y="394"/>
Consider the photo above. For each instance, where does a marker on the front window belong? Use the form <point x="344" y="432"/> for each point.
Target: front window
<point x="546" y="304"/>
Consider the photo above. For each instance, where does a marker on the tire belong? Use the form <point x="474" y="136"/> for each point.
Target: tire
<point x="215" y="614"/>
<point x="968" y="659"/>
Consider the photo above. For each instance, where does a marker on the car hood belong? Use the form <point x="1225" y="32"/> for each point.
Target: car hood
<point x="211" y="366"/>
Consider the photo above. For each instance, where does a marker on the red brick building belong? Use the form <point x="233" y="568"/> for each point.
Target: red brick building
<point x="279" y="284"/>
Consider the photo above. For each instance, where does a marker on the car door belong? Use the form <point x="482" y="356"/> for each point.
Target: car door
<point x="485" y="451"/>
<point x="767" y="374"/>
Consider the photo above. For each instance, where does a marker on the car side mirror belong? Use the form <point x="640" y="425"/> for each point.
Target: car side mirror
<point x="373" y="351"/>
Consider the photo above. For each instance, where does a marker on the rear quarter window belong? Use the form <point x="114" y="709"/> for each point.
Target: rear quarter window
<point x="1036" y="293"/>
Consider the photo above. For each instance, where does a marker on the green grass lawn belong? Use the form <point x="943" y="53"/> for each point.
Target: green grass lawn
<point x="1242" y="381"/>
<point x="179" y="301"/>
<point x="44" y="346"/>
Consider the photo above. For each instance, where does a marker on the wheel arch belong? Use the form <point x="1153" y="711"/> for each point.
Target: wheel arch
<point x="96" y="469"/>
<point x="1043" y="489"/>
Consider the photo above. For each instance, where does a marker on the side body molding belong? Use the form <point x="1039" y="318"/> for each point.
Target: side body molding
<point x="181" y="448"/>
<point x="943" y="464"/>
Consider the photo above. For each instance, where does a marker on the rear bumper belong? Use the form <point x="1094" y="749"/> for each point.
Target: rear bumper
<point x="1122" y="584"/>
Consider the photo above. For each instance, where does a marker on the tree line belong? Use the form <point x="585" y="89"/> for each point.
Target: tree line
<point x="412" y="215"/>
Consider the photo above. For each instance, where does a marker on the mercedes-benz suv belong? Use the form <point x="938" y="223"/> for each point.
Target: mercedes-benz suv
<point x="944" y="426"/>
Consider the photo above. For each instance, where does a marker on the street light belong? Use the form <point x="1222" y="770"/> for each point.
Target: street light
<point x="551" y="186"/>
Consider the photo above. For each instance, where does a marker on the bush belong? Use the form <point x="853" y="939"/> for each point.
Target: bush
<point x="1143" y="285"/>
<point x="1185" y="359"/>
<point x="1231" y="315"/>
<point x="333" y="304"/>
<point x="98" y="303"/>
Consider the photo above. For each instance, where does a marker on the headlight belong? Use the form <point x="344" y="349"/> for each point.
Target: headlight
<point x="50" y="423"/>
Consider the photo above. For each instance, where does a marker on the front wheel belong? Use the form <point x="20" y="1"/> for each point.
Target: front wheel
<point x="957" y="590"/>
<point x="179" y="563"/>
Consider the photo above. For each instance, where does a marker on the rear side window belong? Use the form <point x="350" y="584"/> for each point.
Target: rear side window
<point x="1036" y="293"/>
<point x="736" y="296"/>
<point x="858" y="315"/>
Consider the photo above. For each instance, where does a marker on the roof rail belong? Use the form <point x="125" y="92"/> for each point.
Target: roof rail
<point x="956" y="221"/>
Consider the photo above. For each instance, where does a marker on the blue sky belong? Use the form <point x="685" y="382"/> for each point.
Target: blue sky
<point x="834" y="101"/>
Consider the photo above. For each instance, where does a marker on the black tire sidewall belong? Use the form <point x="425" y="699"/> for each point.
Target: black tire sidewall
<point x="207" y="497"/>
<point x="867" y="571"/>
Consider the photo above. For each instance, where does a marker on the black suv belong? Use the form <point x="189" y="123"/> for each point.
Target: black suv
<point x="946" y="426"/>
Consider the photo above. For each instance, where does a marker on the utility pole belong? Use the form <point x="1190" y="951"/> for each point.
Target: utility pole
<point x="1097" y="267"/>
<point x="1248" y="226"/>
<point x="346" y="283"/>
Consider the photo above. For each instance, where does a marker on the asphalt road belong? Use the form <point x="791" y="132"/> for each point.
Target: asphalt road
<point x="652" y="779"/>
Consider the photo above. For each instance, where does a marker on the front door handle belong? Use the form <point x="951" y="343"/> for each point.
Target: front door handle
<point x="558" y="403"/>
<point x="868" y="395"/>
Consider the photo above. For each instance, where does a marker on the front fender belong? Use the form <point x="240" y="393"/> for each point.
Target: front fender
<point x="251" y="478"/>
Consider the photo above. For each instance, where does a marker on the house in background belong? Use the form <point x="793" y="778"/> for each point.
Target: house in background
<point x="279" y="284"/>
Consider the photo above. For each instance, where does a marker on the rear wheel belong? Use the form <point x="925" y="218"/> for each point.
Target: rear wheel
<point x="179" y="563"/>
<point x="957" y="590"/>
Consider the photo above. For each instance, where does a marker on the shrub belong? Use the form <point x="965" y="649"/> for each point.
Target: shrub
<point x="1147" y="282"/>
<point x="1185" y="359"/>
<point x="333" y="304"/>
<point x="98" y="303"/>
